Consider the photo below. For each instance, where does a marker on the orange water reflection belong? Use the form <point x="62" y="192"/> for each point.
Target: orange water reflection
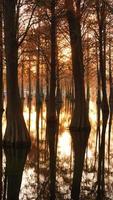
<point x="34" y="176"/>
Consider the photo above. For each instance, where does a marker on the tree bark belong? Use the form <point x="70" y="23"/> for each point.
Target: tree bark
<point x="101" y="19"/>
<point x="22" y="84"/>
<point x="16" y="131"/>
<point x="52" y="111"/>
<point x="1" y="70"/>
<point x="80" y="120"/>
<point x="1" y="93"/>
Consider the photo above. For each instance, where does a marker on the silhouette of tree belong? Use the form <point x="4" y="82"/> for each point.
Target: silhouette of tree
<point x="80" y="116"/>
<point x="16" y="131"/>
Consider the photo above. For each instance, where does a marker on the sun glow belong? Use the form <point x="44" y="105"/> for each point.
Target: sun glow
<point x="64" y="50"/>
<point x="32" y="117"/>
<point x="66" y="54"/>
<point x="64" y="144"/>
<point x="93" y="114"/>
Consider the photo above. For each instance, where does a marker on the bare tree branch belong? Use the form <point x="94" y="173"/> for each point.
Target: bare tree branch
<point x="28" y="26"/>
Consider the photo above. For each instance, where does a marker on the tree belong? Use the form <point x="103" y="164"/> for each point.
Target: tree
<point x="1" y="93"/>
<point x="1" y="70"/>
<point x="101" y="19"/>
<point x="80" y="118"/>
<point x="52" y="111"/>
<point x="16" y="131"/>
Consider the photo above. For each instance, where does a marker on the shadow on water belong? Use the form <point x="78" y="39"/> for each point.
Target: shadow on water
<point x="15" y="161"/>
<point x="79" y="140"/>
<point x="47" y="156"/>
<point x="101" y="160"/>
<point x="52" y="130"/>
<point x="38" y="110"/>
<point x="52" y="141"/>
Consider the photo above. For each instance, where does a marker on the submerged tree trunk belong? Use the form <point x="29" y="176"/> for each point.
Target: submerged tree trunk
<point x="16" y="131"/>
<point x="110" y="101"/>
<point x="80" y="118"/>
<point x="101" y="19"/>
<point x="38" y="104"/>
<point x="98" y="103"/>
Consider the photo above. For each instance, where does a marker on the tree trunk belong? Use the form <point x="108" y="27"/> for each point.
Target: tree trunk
<point x="38" y="93"/>
<point x="16" y="131"/>
<point x="22" y="84"/>
<point x="80" y="120"/>
<point x="52" y="111"/>
<point x="101" y="19"/>
<point x="30" y="95"/>
<point x="1" y="93"/>
<point x="98" y="101"/>
<point x="110" y="101"/>
<point x="1" y="70"/>
<point x="38" y="104"/>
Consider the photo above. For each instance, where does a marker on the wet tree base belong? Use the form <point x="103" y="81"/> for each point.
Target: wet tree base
<point x="6" y="144"/>
<point x="80" y="125"/>
<point x="16" y="134"/>
<point x="52" y="119"/>
<point x="80" y="120"/>
<point x="80" y="129"/>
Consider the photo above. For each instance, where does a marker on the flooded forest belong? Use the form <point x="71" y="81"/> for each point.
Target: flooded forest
<point x="56" y="100"/>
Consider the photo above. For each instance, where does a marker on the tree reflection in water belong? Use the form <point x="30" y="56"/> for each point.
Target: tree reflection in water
<point x="53" y="169"/>
<point x="52" y="140"/>
<point x="80" y="140"/>
<point x="15" y="161"/>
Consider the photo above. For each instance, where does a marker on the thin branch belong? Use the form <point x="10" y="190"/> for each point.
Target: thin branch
<point x="28" y="26"/>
